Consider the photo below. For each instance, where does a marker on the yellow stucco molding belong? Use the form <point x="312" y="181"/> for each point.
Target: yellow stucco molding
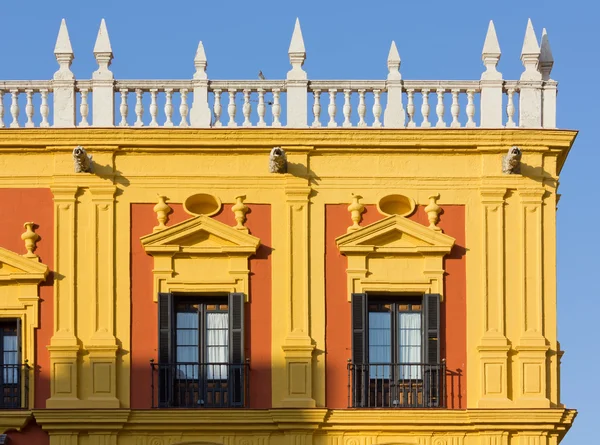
<point x="13" y="420"/>
<point x="323" y="420"/>
<point x="21" y="269"/>
<point x="200" y="254"/>
<point x="376" y="250"/>
<point x="19" y="294"/>
<point x="174" y="139"/>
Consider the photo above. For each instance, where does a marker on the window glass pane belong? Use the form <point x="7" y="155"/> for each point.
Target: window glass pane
<point x="409" y="344"/>
<point x="10" y="356"/>
<point x="187" y="337"/>
<point x="187" y="320"/>
<point x="379" y="344"/>
<point x="217" y="340"/>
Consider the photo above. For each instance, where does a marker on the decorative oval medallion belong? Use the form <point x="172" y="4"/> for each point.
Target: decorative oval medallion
<point x="396" y="205"/>
<point x="202" y="204"/>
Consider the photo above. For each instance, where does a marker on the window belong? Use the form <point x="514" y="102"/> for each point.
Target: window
<point x="10" y="378"/>
<point x="395" y="351"/>
<point x="201" y="351"/>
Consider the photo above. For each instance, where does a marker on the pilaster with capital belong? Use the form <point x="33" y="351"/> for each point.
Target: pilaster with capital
<point x="102" y="346"/>
<point x="493" y="348"/>
<point x="64" y="346"/>
<point x="532" y="345"/>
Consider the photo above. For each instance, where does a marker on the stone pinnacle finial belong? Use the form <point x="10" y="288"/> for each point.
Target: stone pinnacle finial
<point x="200" y="62"/>
<point x="63" y="43"/>
<point x="490" y="55"/>
<point x="297" y="42"/>
<point x="393" y="62"/>
<point x="546" y="58"/>
<point x="63" y="51"/>
<point x="530" y="43"/>
<point x="103" y="53"/>
<point x="102" y="40"/>
<point x="530" y="55"/>
<point x="297" y="54"/>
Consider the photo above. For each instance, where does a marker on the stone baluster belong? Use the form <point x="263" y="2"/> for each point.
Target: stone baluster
<point x="425" y="108"/>
<point x="297" y="81"/>
<point x="410" y="108"/>
<point x="347" y="109"/>
<point x="231" y="108"/>
<point x="362" y="108"/>
<point x="394" y="116"/>
<point x="14" y="108"/>
<point x="376" y="109"/>
<point x="276" y="107"/>
<point x="29" y="108"/>
<point x="183" y="108"/>
<point x="200" y="112"/>
<point x="261" y="109"/>
<point x="332" y="108"/>
<point x="217" y="109"/>
<point x="2" y="109"/>
<point x="153" y="108"/>
<point x="168" y="107"/>
<point x="510" y="109"/>
<point x="530" y="93"/>
<point x="491" y="82"/>
<point x="247" y="108"/>
<point x="123" y="108"/>
<point x="317" y="108"/>
<point x="549" y="88"/>
<point x="84" y="108"/>
<point x="440" y="109"/>
<point x="139" y="108"/>
<point x="455" y="109"/>
<point x="44" y="110"/>
<point x="63" y="83"/>
<point x="470" y="109"/>
<point x="103" y="105"/>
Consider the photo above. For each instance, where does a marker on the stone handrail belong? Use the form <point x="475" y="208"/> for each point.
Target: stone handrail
<point x="295" y="102"/>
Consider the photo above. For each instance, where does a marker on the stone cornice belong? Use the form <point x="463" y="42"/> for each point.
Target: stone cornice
<point x="558" y="420"/>
<point x="301" y="140"/>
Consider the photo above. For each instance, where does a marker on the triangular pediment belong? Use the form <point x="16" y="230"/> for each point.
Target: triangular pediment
<point x="15" y="267"/>
<point x="200" y="234"/>
<point x="395" y="234"/>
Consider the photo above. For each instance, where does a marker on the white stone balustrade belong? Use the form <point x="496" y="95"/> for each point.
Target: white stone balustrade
<point x="297" y="101"/>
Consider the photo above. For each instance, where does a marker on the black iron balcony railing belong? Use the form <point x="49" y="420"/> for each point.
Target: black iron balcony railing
<point x="199" y="385"/>
<point x="396" y="385"/>
<point x="14" y="386"/>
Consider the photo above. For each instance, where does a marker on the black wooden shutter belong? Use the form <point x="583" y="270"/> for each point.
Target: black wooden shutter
<point x="21" y="371"/>
<point x="237" y="370"/>
<point x="165" y="318"/>
<point x="236" y="328"/>
<point x="165" y="350"/>
<point x="360" y="353"/>
<point x="431" y="331"/>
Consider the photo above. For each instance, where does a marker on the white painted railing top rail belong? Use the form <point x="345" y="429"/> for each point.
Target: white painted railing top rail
<point x="295" y="102"/>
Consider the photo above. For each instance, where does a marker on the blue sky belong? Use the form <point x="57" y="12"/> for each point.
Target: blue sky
<point x="350" y="40"/>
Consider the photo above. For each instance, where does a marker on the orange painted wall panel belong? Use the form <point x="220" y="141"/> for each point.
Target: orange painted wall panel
<point x="20" y="206"/>
<point x="144" y="330"/>
<point x="338" y="339"/>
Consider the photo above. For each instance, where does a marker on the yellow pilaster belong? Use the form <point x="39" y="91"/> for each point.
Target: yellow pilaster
<point x="532" y="346"/>
<point x="493" y="349"/>
<point x="64" y="347"/>
<point x="101" y="375"/>
<point x="298" y="346"/>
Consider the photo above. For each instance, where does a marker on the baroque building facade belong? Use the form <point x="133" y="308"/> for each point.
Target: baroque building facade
<point x="389" y="279"/>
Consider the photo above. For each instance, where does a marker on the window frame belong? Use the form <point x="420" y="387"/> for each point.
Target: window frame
<point x="237" y="366"/>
